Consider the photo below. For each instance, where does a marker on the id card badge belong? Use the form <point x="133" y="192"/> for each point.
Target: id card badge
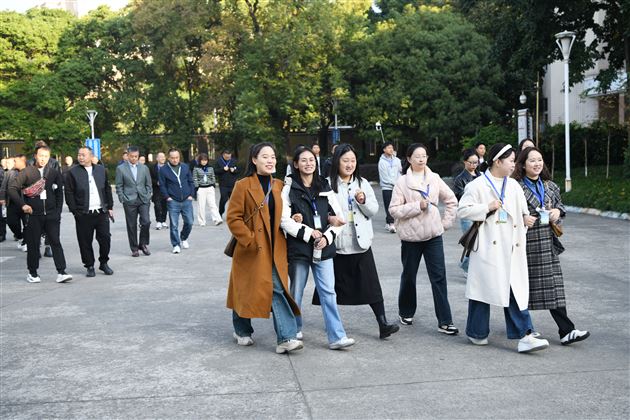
<point x="318" y="222"/>
<point x="544" y="216"/>
<point x="350" y="216"/>
<point x="43" y="195"/>
<point x="503" y="216"/>
<point x="205" y="179"/>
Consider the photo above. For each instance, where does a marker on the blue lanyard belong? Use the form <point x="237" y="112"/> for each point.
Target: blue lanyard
<point x="349" y="200"/>
<point x="225" y="163"/>
<point x="502" y="195"/>
<point x="314" y="205"/>
<point x="425" y="194"/>
<point x="535" y="189"/>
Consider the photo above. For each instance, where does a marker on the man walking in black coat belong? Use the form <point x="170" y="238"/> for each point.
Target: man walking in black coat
<point x="89" y="198"/>
<point x="227" y="173"/>
<point x="38" y="190"/>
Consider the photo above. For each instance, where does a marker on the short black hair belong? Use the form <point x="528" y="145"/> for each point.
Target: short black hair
<point x="479" y="143"/>
<point x="132" y="149"/>
<point x="387" y="143"/>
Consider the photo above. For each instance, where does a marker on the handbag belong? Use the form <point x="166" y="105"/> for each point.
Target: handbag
<point x="231" y="245"/>
<point x="556" y="229"/>
<point x="36" y="189"/>
<point x="469" y="238"/>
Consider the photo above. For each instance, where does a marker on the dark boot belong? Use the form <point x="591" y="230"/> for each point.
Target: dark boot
<point x="384" y="328"/>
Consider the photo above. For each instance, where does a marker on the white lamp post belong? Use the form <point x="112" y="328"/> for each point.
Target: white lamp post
<point x="565" y="42"/>
<point x="91" y="114"/>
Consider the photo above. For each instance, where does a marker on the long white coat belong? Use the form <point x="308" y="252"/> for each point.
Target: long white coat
<point x="500" y="259"/>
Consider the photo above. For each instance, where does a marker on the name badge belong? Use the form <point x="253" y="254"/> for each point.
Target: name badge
<point x="503" y="216"/>
<point x="318" y="222"/>
<point x="350" y="216"/>
<point x="43" y="195"/>
<point x="544" y="216"/>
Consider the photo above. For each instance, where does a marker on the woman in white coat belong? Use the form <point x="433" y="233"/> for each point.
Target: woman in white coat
<point x="497" y="272"/>
<point x="356" y="278"/>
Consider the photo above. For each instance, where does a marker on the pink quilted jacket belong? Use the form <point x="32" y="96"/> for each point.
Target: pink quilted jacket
<point x="413" y="224"/>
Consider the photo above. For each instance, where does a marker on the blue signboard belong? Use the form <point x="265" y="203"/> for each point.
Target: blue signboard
<point x="95" y="145"/>
<point x="335" y="135"/>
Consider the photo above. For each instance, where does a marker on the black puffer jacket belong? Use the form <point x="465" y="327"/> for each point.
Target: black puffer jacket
<point x="300" y="200"/>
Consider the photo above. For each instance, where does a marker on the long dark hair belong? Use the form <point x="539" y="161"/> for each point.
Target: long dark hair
<point x="519" y="169"/>
<point x="254" y="151"/>
<point x="341" y="150"/>
<point x="412" y="148"/>
<point x="316" y="185"/>
<point x="494" y="151"/>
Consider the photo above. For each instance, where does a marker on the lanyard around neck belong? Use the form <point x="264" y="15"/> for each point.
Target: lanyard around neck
<point x="538" y="190"/>
<point x="502" y="195"/>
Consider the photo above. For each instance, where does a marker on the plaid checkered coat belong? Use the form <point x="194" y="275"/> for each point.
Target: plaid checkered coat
<point x="546" y="286"/>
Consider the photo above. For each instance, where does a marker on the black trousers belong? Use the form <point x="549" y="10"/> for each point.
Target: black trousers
<point x="16" y="219"/>
<point x="387" y="198"/>
<point x="411" y="254"/>
<point x="226" y="192"/>
<point x="86" y="225"/>
<point x="159" y="206"/>
<point x="36" y="225"/>
<point x="565" y="325"/>
<point x="3" y="224"/>
<point x="132" y="211"/>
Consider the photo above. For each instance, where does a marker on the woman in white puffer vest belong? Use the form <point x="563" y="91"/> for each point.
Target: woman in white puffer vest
<point x="420" y="226"/>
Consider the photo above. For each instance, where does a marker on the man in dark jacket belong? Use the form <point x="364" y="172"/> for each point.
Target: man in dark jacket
<point x="15" y="216"/>
<point x="227" y="173"/>
<point x="89" y="198"/>
<point x="43" y="207"/>
<point x="176" y="184"/>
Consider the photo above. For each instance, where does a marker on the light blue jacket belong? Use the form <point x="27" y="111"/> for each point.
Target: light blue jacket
<point x="389" y="170"/>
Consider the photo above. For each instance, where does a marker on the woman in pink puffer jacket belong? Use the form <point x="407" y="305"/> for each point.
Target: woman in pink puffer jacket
<point x="420" y="226"/>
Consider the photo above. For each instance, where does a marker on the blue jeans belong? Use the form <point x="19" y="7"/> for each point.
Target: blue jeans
<point x="518" y="323"/>
<point x="174" y="209"/>
<point x="324" y="276"/>
<point x="465" y="225"/>
<point x="283" y="317"/>
<point x="411" y="254"/>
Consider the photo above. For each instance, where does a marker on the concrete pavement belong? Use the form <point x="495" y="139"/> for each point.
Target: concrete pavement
<point x="155" y="341"/>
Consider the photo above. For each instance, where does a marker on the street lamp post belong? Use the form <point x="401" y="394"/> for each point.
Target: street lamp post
<point x="91" y="114"/>
<point x="565" y="40"/>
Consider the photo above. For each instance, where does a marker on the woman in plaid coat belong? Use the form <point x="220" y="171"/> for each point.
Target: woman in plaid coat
<point x="546" y="286"/>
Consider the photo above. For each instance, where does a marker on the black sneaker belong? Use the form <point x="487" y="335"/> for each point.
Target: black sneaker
<point x="90" y="272"/>
<point x="448" y="329"/>
<point x="405" y="321"/>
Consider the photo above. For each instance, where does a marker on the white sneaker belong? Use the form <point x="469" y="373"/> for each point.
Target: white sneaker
<point x="299" y="335"/>
<point x="33" y="279"/>
<point x="202" y="224"/>
<point x="19" y="245"/>
<point x="158" y="226"/>
<point x="164" y="225"/>
<point x="185" y="245"/>
<point x="393" y="229"/>
<point x="62" y="278"/>
<point x="479" y="341"/>
<point x="574" y="336"/>
<point x="341" y="344"/>
<point x="24" y="248"/>
<point x="176" y="249"/>
<point x="530" y="343"/>
<point x="218" y="222"/>
<point x="243" y="341"/>
<point x="289" y="345"/>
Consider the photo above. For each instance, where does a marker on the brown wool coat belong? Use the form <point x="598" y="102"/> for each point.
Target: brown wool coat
<point x="251" y="285"/>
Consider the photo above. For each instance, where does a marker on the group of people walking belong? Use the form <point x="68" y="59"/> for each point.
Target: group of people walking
<point x="283" y="230"/>
<point x="33" y="195"/>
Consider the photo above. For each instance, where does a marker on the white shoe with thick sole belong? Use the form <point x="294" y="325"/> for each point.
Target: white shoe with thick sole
<point x="530" y="343"/>
<point x="33" y="279"/>
<point x="341" y="344"/>
<point x="299" y="335"/>
<point x="176" y="249"/>
<point x="289" y="346"/>
<point x="479" y="341"/>
<point x="243" y="341"/>
<point x="62" y="278"/>
<point x="185" y="244"/>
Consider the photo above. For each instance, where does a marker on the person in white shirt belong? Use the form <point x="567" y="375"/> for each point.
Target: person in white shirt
<point x="389" y="170"/>
<point x="89" y="198"/>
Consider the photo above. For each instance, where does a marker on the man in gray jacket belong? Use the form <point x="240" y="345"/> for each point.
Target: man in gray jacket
<point x="133" y="187"/>
<point x="389" y="170"/>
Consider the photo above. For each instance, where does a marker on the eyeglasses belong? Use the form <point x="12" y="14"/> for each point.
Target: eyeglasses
<point x="472" y="163"/>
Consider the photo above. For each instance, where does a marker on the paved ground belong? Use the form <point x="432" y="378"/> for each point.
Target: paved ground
<point x="154" y="341"/>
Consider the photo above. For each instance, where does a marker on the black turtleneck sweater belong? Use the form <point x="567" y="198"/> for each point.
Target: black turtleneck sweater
<point x="265" y="182"/>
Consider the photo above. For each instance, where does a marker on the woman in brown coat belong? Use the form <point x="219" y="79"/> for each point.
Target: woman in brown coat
<point x="259" y="276"/>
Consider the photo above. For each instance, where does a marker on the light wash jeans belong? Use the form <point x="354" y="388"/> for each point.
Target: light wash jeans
<point x="174" y="209"/>
<point x="465" y="225"/>
<point x="324" y="276"/>
<point x="283" y="317"/>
